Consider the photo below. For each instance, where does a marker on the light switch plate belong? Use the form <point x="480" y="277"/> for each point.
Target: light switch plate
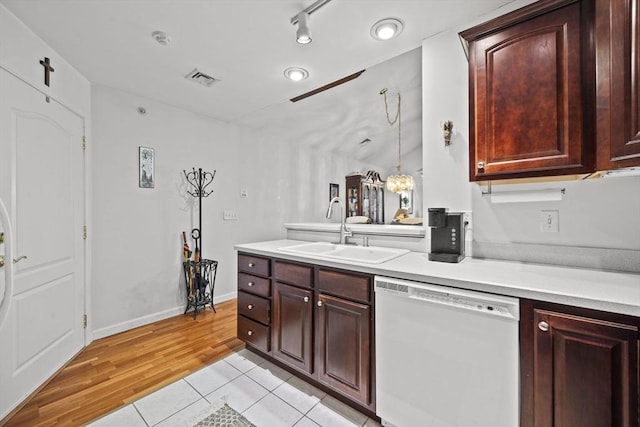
<point x="549" y="221"/>
<point x="230" y="215"/>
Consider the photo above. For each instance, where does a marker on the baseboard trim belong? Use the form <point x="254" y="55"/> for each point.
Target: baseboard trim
<point x="150" y="318"/>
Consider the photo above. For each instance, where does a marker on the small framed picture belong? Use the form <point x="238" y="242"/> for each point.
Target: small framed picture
<point x="406" y="201"/>
<point x="334" y="191"/>
<point x="146" y="174"/>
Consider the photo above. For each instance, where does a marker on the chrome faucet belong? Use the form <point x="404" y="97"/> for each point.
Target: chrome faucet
<point x="344" y="231"/>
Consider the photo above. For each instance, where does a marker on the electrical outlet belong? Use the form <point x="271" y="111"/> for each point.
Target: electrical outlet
<point x="230" y="215"/>
<point x="467" y="219"/>
<point x="549" y="221"/>
<point x="244" y="192"/>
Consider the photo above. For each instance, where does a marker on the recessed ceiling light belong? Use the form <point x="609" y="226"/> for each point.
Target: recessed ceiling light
<point x="387" y="29"/>
<point x="296" y="73"/>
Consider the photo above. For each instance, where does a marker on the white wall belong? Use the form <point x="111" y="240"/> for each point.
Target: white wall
<point x="598" y="214"/>
<point x="20" y="53"/>
<point x="137" y="232"/>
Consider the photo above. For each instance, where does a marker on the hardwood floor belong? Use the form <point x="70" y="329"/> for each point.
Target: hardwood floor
<point x="119" y="369"/>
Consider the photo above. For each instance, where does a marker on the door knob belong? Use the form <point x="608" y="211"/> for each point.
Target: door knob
<point x="20" y="258"/>
<point x="306" y="299"/>
<point x="250" y="306"/>
<point x="543" y="326"/>
<point x="1" y="261"/>
<point x="319" y="303"/>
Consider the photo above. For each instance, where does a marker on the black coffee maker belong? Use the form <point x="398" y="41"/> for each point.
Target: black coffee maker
<point x="447" y="235"/>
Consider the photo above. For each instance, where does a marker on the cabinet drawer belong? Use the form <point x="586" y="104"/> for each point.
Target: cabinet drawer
<point x="254" y="307"/>
<point x="253" y="284"/>
<point x="301" y="275"/>
<point x="254" y="333"/>
<point x="345" y="285"/>
<point x="252" y="264"/>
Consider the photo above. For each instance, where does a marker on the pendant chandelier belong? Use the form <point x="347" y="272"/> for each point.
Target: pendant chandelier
<point x="397" y="183"/>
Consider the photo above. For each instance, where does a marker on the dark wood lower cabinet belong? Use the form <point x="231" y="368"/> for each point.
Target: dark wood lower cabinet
<point x="579" y="367"/>
<point x="293" y="326"/>
<point x="343" y="346"/>
<point x="314" y="321"/>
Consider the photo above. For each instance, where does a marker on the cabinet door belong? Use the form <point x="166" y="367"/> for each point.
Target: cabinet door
<point x="617" y="41"/>
<point x="585" y="372"/>
<point x="527" y="92"/>
<point x="343" y="346"/>
<point x="292" y="326"/>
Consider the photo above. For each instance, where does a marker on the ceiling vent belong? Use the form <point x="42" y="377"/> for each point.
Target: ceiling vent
<point x="199" y="77"/>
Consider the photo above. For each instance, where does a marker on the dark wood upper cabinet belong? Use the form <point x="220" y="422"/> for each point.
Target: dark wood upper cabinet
<point x="531" y="91"/>
<point x="579" y="368"/>
<point x="554" y="89"/>
<point x="617" y="40"/>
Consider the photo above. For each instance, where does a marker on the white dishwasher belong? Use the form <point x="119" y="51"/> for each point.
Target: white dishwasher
<point x="445" y="357"/>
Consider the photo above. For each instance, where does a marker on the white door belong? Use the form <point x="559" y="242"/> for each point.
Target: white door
<point x="42" y="188"/>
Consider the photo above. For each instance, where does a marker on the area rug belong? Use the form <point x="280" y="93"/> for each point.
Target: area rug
<point x="226" y="416"/>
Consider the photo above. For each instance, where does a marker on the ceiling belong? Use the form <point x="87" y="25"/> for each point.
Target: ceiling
<point x="247" y="44"/>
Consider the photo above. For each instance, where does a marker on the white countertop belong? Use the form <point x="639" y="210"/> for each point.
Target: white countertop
<point x="581" y="287"/>
<point x="376" y="229"/>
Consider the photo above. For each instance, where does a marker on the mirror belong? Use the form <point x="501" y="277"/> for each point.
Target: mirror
<point x="339" y="119"/>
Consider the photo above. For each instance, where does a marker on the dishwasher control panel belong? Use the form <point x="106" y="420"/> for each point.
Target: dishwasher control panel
<point x="489" y="304"/>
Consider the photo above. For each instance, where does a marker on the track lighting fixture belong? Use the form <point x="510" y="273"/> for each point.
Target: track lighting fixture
<point x="303" y="34"/>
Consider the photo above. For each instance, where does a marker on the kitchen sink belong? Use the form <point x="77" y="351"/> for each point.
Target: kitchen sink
<point x="366" y="254"/>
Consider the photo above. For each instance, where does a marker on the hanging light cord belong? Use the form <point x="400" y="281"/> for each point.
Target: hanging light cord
<point x="392" y="122"/>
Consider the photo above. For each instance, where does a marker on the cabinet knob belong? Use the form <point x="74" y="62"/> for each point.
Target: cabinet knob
<point x="249" y="333"/>
<point x="250" y="284"/>
<point x="250" y="306"/>
<point x="251" y="265"/>
<point x="305" y="299"/>
<point x="480" y="165"/>
<point x="319" y="303"/>
<point x="543" y="326"/>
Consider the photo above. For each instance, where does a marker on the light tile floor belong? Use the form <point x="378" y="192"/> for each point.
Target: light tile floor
<point x="265" y="394"/>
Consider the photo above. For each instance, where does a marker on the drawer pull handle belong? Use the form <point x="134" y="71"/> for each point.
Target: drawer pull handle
<point x="249" y="333"/>
<point x="250" y="306"/>
<point x="251" y="265"/>
<point x="543" y="326"/>
<point x="319" y="303"/>
<point x="250" y="284"/>
<point x="306" y="299"/>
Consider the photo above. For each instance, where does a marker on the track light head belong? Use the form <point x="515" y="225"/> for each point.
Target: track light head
<point x="303" y="35"/>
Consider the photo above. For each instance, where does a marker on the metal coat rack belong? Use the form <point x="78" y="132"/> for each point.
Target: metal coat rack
<point x="199" y="180"/>
<point x="200" y="274"/>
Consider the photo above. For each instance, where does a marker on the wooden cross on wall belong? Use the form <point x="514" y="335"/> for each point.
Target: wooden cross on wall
<point x="48" y="69"/>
